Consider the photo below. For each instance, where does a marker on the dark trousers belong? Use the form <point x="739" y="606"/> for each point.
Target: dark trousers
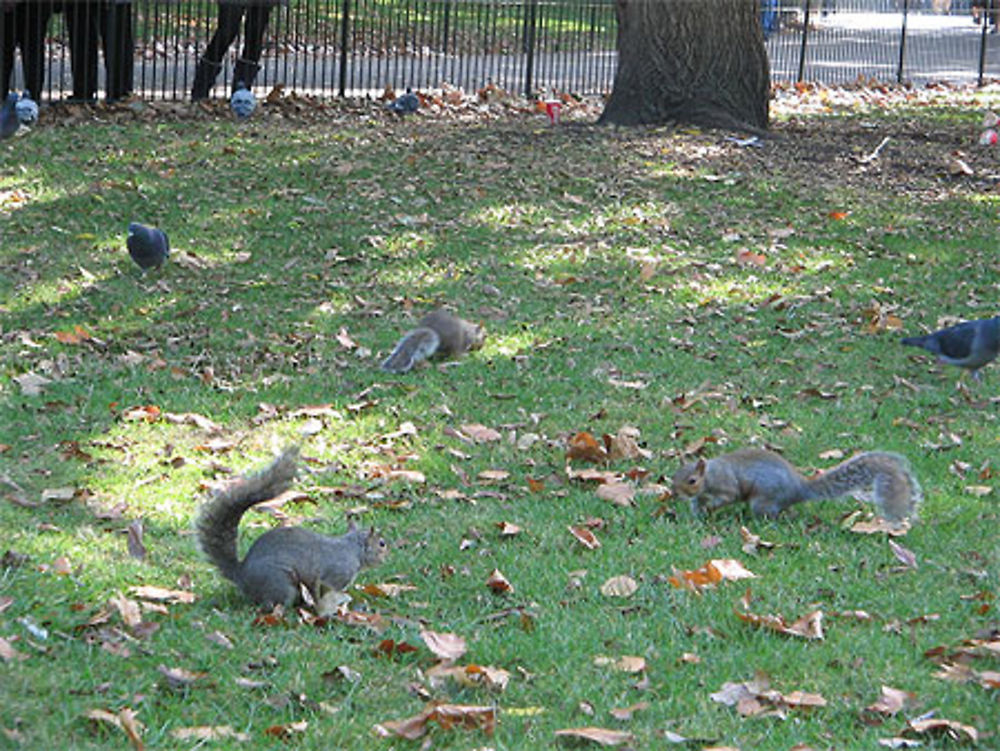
<point x="24" y="27"/>
<point x="229" y="27"/>
<point x="111" y="23"/>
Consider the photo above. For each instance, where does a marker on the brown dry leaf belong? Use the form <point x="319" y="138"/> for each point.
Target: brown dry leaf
<point x="752" y="543"/>
<point x="713" y="572"/>
<point x="344" y="339"/>
<point x="128" y="610"/>
<point x="585" y="537"/>
<point x="584" y="446"/>
<point x="480" y="433"/>
<point x="180" y="677"/>
<point x="747" y="257"/>
<point x="601" y="736"/>
<point x="891" y="701"/>
<point x="980" y="491"/>
<point x="288" y="730"/>
<point x="209" y="733"/>
<point x="619" y="586"/>
<point x="124" y="720"/>
<point x="8" y="653"/>
<point x="950" y="728"/>
<point x="387" y="589"/>
<point x="618" y="493"/>
<point x="444" y="645"/>
<point x="907" y="557"/>
<point x="624" y="664"/>
<point x="448" y="716"/>
<point x="62" y="566"/>
<point x="625" y="713"/>
<point x="625" y="445"/>
<point x="144" y="413"/>
<point x="160" y="594"/>
<point x="192" y="418"/>
<point x="493" y="475"/>
<point x="75" y="336"/>
<point x="389" y="647"/>
<point x="498" y="582"/>
<point x="507" y="529"/>
<point x="32" y="384"/>
<point x="136" y="549"/>
<point x="879" y="525"/>
<point x="809" y="626"/>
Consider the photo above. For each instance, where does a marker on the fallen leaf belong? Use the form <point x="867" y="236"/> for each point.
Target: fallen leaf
<point x="891" y="701"/>
<point x="209" y="733"/>
<point x="288" y="730"/>
<point x="907" y="557"/>
<point x="618" y="493"/>
<point x="713" y="572"/>
<point x="498" y="582"/>
<point x="480" y="433"/>
<point x="601" y="736"/>
<point x="809" y="626"/>
<point x="585" y="537"/>
<point x="32" y="384"/>
<point x="584" y="446"/>
<point x="507" y="529"/>
<point x="940" y="726"/>
<point x="619" y="586"/>
<point x="448" y="716"/>
<point x="444" y="645"/>
<point x="625" y="713"/>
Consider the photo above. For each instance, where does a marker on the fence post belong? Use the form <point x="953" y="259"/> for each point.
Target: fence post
<point x="529" y="45"/>
<point x="805" y="38"/>
<point x="902" y="42"/>
<point x="345" y="23"/>
<point x="445" y="27"/>
<point x="982" y="45"/>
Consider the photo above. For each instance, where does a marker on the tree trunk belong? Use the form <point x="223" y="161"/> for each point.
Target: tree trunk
<point x="701" y="62"/>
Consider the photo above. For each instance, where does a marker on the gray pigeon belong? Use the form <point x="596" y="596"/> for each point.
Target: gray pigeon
<point x="8" y="117"/>
<point x="26" y="109"/>
<point x="148" y="246"/>
<point x="969" y="345"/>
<point x="242" y="102"/>
<point x="406" y="104"/>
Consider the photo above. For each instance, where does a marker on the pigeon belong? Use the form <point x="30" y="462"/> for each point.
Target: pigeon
<point x="148" y="246"/>
<point x="242" y="102"/>
<point x="8" y="117"/>
<point x="26" y="109"/>
<point x="405" y="104"/>
<point x="969" y="345"/>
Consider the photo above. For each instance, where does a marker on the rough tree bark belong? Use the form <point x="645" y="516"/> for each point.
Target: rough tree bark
<point x="693" y="61"/>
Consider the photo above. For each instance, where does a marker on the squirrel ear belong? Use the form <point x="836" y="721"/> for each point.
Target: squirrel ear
<point x="699" y="468"/>
<point x="351" y="526"/>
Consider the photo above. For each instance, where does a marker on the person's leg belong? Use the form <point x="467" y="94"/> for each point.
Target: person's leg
<point x="211" y="61"/>
<point x="36" y="25"/>
<point x="248" y="65"/>
<point x="81" y="22"/>
<point x="7" y="41"/>
<point x="119" y="49"/>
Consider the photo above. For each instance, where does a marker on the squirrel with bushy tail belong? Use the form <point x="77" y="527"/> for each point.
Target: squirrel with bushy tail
<point x="282" y="561"/>
<point x="770" y="484"/>
<point x="439" y="333"/>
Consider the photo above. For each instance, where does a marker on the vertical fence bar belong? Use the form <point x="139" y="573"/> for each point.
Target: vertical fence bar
<point x="345" y="23"/>
<point x="805" y="37"/>
<point x="982" y="46"/>
<point x="902" y="42"/>
<point x="529" y="45"/>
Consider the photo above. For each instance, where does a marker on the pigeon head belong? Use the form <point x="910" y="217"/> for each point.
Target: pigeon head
<point x="242" y="102"/>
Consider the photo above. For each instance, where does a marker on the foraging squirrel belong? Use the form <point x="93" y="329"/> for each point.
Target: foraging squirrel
<point x="281" y="560"/>
<point x="770" y="484"/>
<point x="439" y="333"/>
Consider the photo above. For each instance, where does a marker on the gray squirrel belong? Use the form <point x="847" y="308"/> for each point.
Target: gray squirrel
<point x="283" y="559"/>
<point x="770" y="484"/>
<point x="438" y="333"/>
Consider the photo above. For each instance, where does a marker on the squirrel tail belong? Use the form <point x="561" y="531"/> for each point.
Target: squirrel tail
<point x="416" y="345"/>
<point x="884" y="477"/>
<point x="219" y="519"/>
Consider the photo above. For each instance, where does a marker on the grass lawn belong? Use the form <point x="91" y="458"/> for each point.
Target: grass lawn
<point x="707" y="295"/>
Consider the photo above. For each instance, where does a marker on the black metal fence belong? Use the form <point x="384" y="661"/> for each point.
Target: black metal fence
<point x="343" y="47"/>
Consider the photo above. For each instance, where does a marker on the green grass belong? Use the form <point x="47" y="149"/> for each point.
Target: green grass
<point x="362" y="224"/>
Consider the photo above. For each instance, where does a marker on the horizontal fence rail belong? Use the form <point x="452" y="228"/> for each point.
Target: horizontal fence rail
<point x="346" y="47"/>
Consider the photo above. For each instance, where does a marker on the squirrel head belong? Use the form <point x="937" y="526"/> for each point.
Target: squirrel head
<point x="689" y="480"/>
<point x="374" y="548"/>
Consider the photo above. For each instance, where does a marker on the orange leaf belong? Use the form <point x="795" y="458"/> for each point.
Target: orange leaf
<point x="584" y="446"/>
<point x="585" y="537"/>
